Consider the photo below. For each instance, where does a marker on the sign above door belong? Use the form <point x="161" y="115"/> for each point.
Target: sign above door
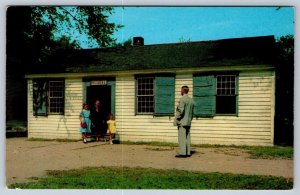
<point x="99" y="82"/>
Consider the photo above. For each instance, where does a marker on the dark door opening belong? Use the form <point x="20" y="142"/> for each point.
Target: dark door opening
<point x="102" y="93"/>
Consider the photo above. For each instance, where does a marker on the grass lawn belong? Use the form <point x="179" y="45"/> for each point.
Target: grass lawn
<point x="149" y="178"/>
<point x="258" y="152"/>
<point x="270" y="152"/>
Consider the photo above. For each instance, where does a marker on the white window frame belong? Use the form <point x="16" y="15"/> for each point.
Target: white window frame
<point x="56" y="92"/>
<point x="143" y="84"/>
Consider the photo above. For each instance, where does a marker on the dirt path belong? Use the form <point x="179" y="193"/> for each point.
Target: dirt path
<point x="29" y="159"/>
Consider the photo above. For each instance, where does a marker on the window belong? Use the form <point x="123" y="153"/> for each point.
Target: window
<point x="226" y="94"/>
<point x="215" y="95"/>
<point x="48" y="97"/>
<point x="155" y="95"/>
<point x="145" y="95"/>
<point x="56" y="97"/>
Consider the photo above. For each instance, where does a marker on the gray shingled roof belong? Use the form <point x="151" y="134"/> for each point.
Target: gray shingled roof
<point x="239" y="51"/>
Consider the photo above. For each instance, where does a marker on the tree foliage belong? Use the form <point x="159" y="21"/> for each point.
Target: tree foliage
<point x="90" y="21"/>
<point x="285" y="46"/>
<point x="284" y="113"/>
<point x="126" y="43"/>
<point x="34" y="33"/>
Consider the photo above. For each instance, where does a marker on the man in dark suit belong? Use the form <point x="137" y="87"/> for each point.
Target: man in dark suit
<point x="183" y="120"/>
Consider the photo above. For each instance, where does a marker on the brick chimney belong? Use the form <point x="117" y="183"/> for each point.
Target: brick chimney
<point x="138" y="41"/>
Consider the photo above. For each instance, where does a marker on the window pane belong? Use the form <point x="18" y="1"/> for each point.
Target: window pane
<point x="226" y="94"/>
<point x="232" y="91"/>
<point x="226" y="105"/>
<point x="56" y="96"/>
<point x="145" y="97"/>
<point x="226" y="83"/>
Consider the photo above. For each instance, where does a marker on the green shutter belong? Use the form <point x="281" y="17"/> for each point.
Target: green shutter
<point x="164" y="95"/>
<point x="112" y="84"/>
<point x="204" y="92"/>
<point x="40" y="97"/>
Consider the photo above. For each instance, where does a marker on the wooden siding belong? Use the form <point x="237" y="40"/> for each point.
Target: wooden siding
<point x="58" y="126"/>
<point x="254" y="124"/>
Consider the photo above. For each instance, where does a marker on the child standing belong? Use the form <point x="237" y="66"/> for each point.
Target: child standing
<point x="85" y="122"/>
<point x="111" y="130"/>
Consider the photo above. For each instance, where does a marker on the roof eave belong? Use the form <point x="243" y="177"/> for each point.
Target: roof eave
<point x="262" y="67"/>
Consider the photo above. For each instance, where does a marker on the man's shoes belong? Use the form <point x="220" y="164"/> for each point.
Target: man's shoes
<point x="180" y="156"/>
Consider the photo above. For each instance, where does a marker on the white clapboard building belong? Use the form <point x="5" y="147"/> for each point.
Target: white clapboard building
<point x="232" y="82"/>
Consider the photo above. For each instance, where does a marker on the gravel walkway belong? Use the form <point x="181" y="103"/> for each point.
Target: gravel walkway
<point x="30" y="159"/>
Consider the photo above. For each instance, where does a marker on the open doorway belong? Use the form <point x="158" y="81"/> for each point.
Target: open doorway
<point x="102" y="93"/>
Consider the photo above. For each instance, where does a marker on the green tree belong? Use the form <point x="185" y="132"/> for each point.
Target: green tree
<point x="284" y="102"/>
<point x="126" y="43"/>
<point x="36" y="32"/>
<point x="32" y="31"/>
<point x="184" y="40"/>
<point x="90" y="21"/>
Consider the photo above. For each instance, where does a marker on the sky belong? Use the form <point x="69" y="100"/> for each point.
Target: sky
<point x="159" y="25"/>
